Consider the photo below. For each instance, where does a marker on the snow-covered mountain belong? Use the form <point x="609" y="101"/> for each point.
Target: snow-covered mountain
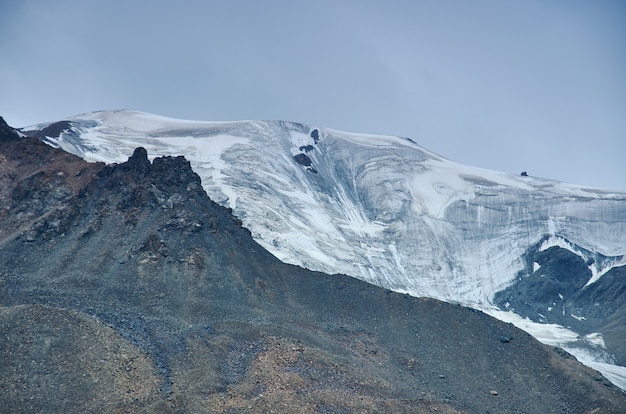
<point x="379" y="208"/>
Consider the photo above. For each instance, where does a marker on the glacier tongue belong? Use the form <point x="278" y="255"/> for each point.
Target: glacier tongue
<point x="378" y="208"/>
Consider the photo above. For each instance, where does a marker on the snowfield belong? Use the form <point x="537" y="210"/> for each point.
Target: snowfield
<point x="379" y="208"/>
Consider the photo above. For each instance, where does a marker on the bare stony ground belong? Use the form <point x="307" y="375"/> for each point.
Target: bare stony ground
<point x="58" y="360"/>
<point x="125" y="289"/>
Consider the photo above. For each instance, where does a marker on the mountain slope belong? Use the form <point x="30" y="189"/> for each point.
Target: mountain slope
<point x="379" y="208"/>
<point x="124" y="288"/>
<point x="382" y="208"/>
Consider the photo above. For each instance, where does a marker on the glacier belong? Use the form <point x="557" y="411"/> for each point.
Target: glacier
<point x="379" y="208"/>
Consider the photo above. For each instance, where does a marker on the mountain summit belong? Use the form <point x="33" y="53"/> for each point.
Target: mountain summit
<point x="387" y="211"/>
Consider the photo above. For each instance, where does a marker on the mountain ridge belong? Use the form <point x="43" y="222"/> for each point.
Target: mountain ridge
<point x="160" y="295"/>
<point x="378" y="208"/>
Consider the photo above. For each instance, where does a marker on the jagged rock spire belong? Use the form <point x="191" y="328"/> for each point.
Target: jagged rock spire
<point x="138" y="162"/>
<point x="6" y="132"/>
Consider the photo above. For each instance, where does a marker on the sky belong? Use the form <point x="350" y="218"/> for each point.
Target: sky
<point x="532" y="85"/>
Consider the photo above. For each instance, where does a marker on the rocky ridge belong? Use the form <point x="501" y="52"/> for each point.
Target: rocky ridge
<point x="387" y="211"/>
<point x="125" y="288"/>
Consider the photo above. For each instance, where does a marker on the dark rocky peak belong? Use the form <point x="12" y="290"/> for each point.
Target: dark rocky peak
<point x="6" y="132"/>
<point x="138" y="162"/>
<point x="175" y="172"/>
<point x="166" y="184"/>
<point x="53" y="130"/>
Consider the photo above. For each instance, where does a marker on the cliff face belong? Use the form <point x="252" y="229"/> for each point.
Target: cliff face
<point x="124" y="287"/>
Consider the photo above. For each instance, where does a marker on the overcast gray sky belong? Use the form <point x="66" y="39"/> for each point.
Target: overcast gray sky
<point x="505" y="85"/>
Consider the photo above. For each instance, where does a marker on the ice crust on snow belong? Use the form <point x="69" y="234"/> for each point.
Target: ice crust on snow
<point x="379" y="208"/>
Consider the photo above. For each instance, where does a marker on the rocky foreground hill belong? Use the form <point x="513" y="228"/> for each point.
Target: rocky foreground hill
<point x="124" y="288"/>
